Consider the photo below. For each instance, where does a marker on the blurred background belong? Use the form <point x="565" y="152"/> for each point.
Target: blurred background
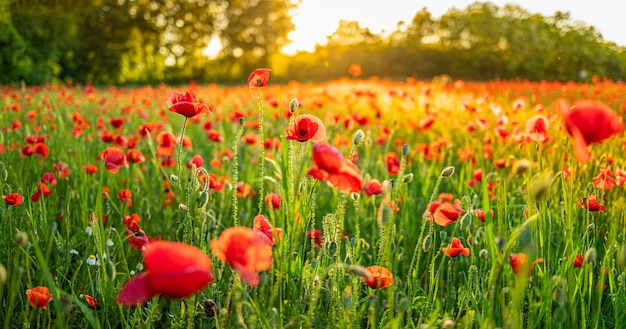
<point x="131" y="42"/>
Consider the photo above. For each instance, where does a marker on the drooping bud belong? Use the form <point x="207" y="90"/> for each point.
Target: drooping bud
<point x="407" y="178"/>
<point x="174" y="178"/>
<point x="405" y="150"/>
<point x="484" y="254"/>
<point x="203" y="199"/>
<point x="521" y="166"/>
<point x="358" y="137"/>
<point x="21" y="238"/>
<point x="427" y="243"/>
<point x="3" y="275"/>
<point x="182" y="207"/>
<point x="591" y="255"/>
<point x="242" y="120"/>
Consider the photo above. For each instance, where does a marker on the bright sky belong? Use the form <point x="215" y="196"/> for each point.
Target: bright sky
<point x="316" y="19"/>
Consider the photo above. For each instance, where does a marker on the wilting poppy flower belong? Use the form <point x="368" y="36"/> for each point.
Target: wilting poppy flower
<point x="13" y="199"/>
<point x="273" y="200"/>
<point x="173" y="269"/>
<point x="244" y="251"/>
<point x="259" y="78"/>
<point x="578" y="261"/>
<point x="379" y="277"/>
<point x="518" y="264"/>
<point x="447" y="213"/>
<point x="455" y="248"/>
<point x="186" y="104"/>
<point x="306" y="127"/>
<point x="114" y="158"/>
<point x="589" y="122"/>
<point x="330" y="166"/>
<point x="92" y="302"/>
<point x="590" y="203"/>
<point x="264" y="229"/>
<point x="39" y="297"/>
<point x="373" y="187"/>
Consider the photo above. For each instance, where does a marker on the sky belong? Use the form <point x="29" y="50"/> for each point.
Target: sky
<point x="316" y="19"/>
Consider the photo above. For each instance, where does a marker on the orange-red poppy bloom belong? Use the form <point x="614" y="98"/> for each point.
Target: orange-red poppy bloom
<point x="455" y="248"/>
<point x="263" y="228"/>
<point x="90" y="169"/>
<point x="578" y="261"/>
<point x="330" y="166"/>
<point x="244" y="251"/>
<point x="273" y="200"/>
<point x="39" y="297"/>
<point x="520" y="266"/>
<point x="13" y="199"/>
<point x="379" y="277"/>
<point x="447" y="213"/>
<point x="92" y="302"/>
<point x="373" y="187"/>
<point x="590" y="203"/>
<point x="259" y="78"/>
<point x="480" y="213"/>
<point x="114" y="158"/>
<point x="167" y="143"/>
<point x="135" y="156"/>
<point x="306" y="127"/>
<point x="186" y="104"/>
<point x="316" y="236"/>
<point x="173" y="269"/>
<point x="393" y="163"/>
<point x="355" y="69"/>
<point x="578" y="121"/>
<point x="537" y="128"/>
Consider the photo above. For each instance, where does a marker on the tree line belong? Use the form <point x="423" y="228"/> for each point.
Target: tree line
<point x="151" y="41"/>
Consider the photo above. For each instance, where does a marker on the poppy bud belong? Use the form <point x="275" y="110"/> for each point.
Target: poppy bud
<point x="448" y="323"/>
<point x="521" y="166"/>
<point x="293" y="105"/>
<point x="407" y="178"/>
<point x="447" y="171"/>
<point x="21" y="238"/>
<point x="3" y="275"/>
<point x="210" y="308"/>
<point x="174" y="178"/>
<point x="591" y="227"/>
<point x="427" y="243"/>
<point x="332" y="248"/>
<point x="500" y="243"/>
<point x="620" y="257"/>
<point x="203" y="199"/>
<point x="110" y="270"/>
<point x="242" y="120"/>
<point x="465" y="222"/>
<point x="591" y="255"/>
<point x="484" y="254"/>
<point x="182" y="207"/>
<point x="540" y="186"/>
<point x="405" y="150"/>
<point x="387" y="185"/>
<point x="355" y="196"/>
<point x="358" y="137"/>
<point x="4" y="174"/>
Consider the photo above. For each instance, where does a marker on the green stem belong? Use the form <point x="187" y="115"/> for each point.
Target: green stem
<point x="262" y="160"/>
<point x="180" y="151"/>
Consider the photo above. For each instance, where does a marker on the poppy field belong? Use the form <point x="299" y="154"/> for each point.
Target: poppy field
<point x="355" y="203"/>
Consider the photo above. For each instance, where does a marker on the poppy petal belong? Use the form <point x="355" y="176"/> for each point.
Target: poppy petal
<point x="135" y="291"/>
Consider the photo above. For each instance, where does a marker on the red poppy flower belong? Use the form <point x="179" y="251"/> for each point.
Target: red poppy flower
<point x="137" y="238"/>
<point x="316" y="236"/>
<point x="537" y="128"/>
<point x="578" y="262"/>
<point x="117" y="123"/>
<point x="42" y="190"/>
<point x="518" y="263"/>
<point x="39" y="297"/>
<point x="590" y="203"/>
<point x="92" y="302"/>
<point x="173" y="269"/>
<point x="132" y="221"/>
<point x="273" y="200"/>
<point x="447" y="213"/>
<point x="481" y="214"/>
<point x="126" y="195"/>
<point x="167" y="143"/>
<point x="259" y="78"/>
<point x="244" y="251"/>
<point x="264" y="229"/>
<point x="306" y="127"/>
<point x="577" y="121"/>
<point x="373" y="187"/>
<point x="90" y="169"/>
<point x="135" y="156"/>
<point x="379" y="277"/>
<point x="114" y="158"/>
<point x="355" y="69"/>
<point x="13" y="199"/>
<point x="393" y="163"/>
<point x="455" y="248"/>
<point x="330" y="166"/>
<point x="196" y="160"/>
<point x="186" y="104"/>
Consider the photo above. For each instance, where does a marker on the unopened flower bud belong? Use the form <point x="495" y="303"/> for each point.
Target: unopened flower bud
<point x="387" y="185"/>
<point x="242" y="120"/>
<point x="405" y="150"/>
<point x="293" y="105"/>
<point x="21" y="238"/>
<point x="407" y="178"/>
<point x="591" y="227"/>
<point x="427" y="243"/>
<point x="355" y="196"/>
<point x="447" y="171"/>
<point x="358" y="137"/>
<point x="174" y="178"/>
<point x="521" y="166"/>
<point x="3" y="275"/>
<point x="465" y="221"/>
<point x="484" y="254"/>
<point x="591" y="255"/>
<point x="448" y="323"/>
<point x="203" y="199"/>
<point x="182" y="207"/>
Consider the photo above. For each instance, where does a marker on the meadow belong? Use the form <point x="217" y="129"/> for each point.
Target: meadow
<point x="355" y="203"/>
